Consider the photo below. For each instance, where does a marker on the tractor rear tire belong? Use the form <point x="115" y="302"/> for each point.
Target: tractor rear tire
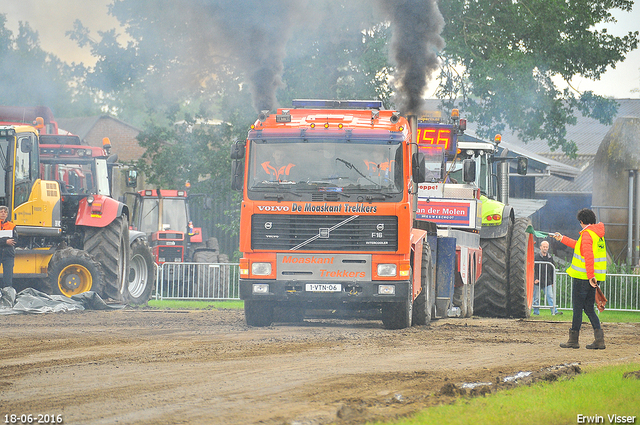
<point x="423" y="305"/>
<point x="521" y="261"/>
<point x="141" y="275"/>
<point x="110" y="247"/>
<point x="72" y="272"/>
<point x="492" y="287"/>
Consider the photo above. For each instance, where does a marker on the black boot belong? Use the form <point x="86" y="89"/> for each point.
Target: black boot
<point x="598" y="343"/>
<point x="573" y="340"/>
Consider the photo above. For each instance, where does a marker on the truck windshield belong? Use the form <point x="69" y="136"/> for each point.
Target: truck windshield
<point x="313" y="165"/>
<point x="174" y="215"/>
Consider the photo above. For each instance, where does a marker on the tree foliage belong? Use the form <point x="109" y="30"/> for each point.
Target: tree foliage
<point x="30" y="76"/>
<point x="514" y="54"/>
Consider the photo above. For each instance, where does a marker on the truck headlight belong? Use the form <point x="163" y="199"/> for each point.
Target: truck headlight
<point x="386" y="289"/>
<point x="261" y="269"/>
<point x="386" y="270"/>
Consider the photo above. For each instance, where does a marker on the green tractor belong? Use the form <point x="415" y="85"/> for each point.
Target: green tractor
<point x="505" y="287"/>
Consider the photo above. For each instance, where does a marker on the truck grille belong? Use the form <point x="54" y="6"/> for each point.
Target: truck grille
<point x="333" y="233"/>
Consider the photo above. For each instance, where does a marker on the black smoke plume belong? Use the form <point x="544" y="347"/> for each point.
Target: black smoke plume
<point x="416" y="40"/>
<point x="256" y="33"/>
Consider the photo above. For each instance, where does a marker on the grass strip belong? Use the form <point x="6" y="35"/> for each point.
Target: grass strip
<point x="195" y="305"/>
<point x="606" y="316"/>
<point x="598" y="394"/>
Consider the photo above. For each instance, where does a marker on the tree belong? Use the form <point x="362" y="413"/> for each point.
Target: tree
<point x="30" y="76"/>
<point x="513" y="52"/>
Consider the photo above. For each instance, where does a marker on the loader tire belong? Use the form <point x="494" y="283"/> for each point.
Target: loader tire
<point x="423" y="305"/>
<point x="492" y="287"/>
<point x="141" y="274"/>
<point x="72" y="272"/>
<point x="521" y="261"/>
<point x="110" y="247"/>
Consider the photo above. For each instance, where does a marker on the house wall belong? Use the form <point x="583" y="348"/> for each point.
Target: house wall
<point x="559" y="215"/>
<point x="122" y="136"/>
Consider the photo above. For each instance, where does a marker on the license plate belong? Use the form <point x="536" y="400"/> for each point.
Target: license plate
<point x="324" y="287"/>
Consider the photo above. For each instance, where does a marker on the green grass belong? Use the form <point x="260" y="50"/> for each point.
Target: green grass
<point x="601" y="391"/>
<point x="194" y="305"/>
<point x="606" y="316"/>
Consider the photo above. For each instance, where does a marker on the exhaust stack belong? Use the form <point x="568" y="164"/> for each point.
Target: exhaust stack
<point x="413" y="124"/>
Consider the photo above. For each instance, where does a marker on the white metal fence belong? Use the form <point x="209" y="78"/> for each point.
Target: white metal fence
<point x="197" y="281"/>
<point x="219" y="281"/>
<point x="622" y="291"/>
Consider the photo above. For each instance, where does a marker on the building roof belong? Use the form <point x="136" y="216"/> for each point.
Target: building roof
<point x="82" y="126"/>
<point x="587" y="133"/>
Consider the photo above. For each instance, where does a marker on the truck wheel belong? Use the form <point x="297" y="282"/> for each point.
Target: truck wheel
<point x="460" y="295"/>
<point x="110" y="247"/>
<point x="72" y="272"/>
<point x="470" y="299"/>
<point x="141" y="273"/>
<point x="492" y="286"/>
<point x="398" y="315"/>
<point x="423" y="304"/>
<point x="521" y="261"/>
<point x="258" y="313"/>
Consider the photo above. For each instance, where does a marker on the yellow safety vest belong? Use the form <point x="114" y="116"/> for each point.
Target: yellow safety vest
<point x="578" y="268"/>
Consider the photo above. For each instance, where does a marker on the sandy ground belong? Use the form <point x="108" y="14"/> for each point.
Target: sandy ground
<point x="208" y="367"/>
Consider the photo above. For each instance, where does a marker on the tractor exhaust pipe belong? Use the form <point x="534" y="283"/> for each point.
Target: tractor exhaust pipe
<point x="413" y="125"/>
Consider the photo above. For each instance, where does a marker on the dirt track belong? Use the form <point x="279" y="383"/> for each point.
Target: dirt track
<point x="208" y="367"/>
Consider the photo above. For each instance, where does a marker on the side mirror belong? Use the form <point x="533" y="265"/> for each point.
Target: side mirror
<point x="132" y="178"/>
<point x="418" y="168"/>
<point x="237" y="174"/>
<point x="25" y="146"/>
<point x="469" y="170"/>
<point x="523" y="163"/>
<point x="237" y="150"/>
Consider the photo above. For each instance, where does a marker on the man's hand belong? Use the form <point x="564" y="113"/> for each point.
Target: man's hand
<point x="11" y="242"/>
<point x="557" y="236"/>
<point x="593" y="282"/>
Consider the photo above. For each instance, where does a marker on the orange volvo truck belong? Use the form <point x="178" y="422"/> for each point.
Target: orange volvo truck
<point x="329" y="217"/>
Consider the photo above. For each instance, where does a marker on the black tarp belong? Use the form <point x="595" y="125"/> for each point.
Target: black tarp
<point x="33" y="301"/>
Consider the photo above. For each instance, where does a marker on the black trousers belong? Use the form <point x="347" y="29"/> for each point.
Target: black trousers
<point x="7" y="269"/>
<point x="583" y="297"/>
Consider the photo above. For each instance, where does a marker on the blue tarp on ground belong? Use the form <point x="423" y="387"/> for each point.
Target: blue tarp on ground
<point x="33" y="301"/>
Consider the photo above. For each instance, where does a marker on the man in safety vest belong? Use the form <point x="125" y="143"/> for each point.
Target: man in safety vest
<point x="588" y="267"/>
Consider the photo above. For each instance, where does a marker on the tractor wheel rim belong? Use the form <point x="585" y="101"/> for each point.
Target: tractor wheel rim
<point x="138" y="275"/>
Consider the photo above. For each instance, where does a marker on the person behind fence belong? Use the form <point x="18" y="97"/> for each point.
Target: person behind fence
<point x="544" y="273"/>
<point x="588" y="267"/>
<point x="7" y="243"/>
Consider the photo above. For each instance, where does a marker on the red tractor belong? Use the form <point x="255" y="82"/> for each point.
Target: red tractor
<point x="163" y="215"/>
<point x="82" y="173"/>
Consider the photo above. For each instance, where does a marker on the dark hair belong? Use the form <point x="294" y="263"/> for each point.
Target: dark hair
<point x="586" y="216"/>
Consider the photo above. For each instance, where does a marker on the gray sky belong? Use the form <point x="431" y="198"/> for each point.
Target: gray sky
<point x="51" y="20"/>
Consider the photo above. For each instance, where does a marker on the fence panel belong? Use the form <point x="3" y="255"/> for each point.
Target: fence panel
<point x="197" y="281"/>
<point x="622" y="291"/>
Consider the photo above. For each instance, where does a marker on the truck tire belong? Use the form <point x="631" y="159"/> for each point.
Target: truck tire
<point x="399" y="315"/>
<point x="521" y="262"/>
<point x="492" y="287"/>
<point x="423" y="305"/>
<point x="470" y="299"/>
<point x="141" y="275"/>
<point x="72" y="272"/>
<point x="258" y="313"/>
<point x="110" y="247"/>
